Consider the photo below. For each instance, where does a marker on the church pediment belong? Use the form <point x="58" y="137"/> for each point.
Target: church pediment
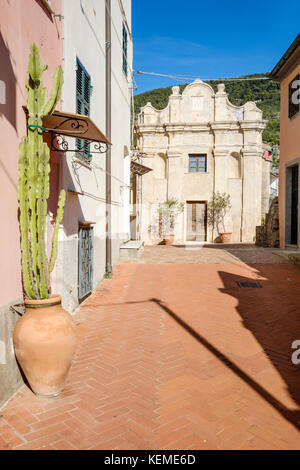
<point x="199" y="104"/>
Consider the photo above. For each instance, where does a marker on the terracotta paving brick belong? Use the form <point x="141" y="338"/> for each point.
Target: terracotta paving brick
<point x="39" y="443"/>
<point x="125" y="445"/>
<point x="10" y="436"/>
<point x="115" y="443"/>
<point x="16" y="422"/>
<point x="173" y="354"/>
<point x="63" y="445"/>
<point x="138" y="441"/>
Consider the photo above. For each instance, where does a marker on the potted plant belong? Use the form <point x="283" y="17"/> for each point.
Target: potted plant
<point x="167" y="214"/>
<point x="216" y="211"/>
<point x="44" y="337"/>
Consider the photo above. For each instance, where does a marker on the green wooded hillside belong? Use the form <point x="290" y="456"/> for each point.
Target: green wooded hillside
<point x="265" y="93"/>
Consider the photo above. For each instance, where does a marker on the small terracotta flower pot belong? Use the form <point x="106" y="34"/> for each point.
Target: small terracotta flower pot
<point x="169" y="241"/>
<point x="45" y="341"/>
<point x="225" y="237"/>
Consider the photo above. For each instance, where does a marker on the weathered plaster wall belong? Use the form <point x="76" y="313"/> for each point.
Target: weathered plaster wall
<point x="84" y="38"/>
<point x="16" y="36"/>
<point x="289" y="148"/>
<point x="266" y="186"/>
<point x="10" y="375"/>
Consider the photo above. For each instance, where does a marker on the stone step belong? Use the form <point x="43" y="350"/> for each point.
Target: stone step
<point x="132" y="249"/>
<point x="290" y="255"/>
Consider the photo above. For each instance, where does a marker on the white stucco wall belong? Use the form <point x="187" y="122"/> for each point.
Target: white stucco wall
<point x="84" y="38"/>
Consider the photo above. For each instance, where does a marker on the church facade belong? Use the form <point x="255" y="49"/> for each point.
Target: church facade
<point x="201" y="144"/>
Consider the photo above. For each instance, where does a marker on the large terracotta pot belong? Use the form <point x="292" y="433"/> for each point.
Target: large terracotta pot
<point x="45" y="341"/>
<point x="225" y="237"/>
<point x="169" y="240"/>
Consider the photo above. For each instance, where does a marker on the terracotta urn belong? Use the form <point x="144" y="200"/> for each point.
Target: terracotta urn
<point x="45" y="341"/>
<point x="225" y="237"/>
<point x="169" y="240"/>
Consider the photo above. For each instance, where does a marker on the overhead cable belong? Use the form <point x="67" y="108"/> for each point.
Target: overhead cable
<point x="182" y="77"/>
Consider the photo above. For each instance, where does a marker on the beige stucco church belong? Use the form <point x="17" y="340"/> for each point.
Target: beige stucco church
<point x="198" y="144"/>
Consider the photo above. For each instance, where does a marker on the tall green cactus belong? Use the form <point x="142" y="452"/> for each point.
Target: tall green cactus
<point x="33" y="186"/>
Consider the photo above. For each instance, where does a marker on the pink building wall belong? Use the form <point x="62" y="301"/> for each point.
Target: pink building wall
<point x="289" y="145"/>
<point x="22" y="22"/>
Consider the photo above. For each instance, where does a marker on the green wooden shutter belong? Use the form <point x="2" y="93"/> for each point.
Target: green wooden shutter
<point x="83" y="100"/>
<point x="125" y="44"/>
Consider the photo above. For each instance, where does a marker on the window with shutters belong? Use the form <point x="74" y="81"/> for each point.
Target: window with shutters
<point x="125" y="47"/>
<point x="83" y="99"/>
<point x="294" y="96"/>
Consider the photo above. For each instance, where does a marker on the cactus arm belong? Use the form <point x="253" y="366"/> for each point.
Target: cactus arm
<point x="42" y="196"/>
<point x="28" y="280"/>
<point x="32" y="172"/>
<point x="59" y="216"/>
<point x="46" y="193"/>
<point x="42" y="291"/>
<point x="35" y="67"/>
<point x="55" y="92"/>
<point x="42" y="268"/>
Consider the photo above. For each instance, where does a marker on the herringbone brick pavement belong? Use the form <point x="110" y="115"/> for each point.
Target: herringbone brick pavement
<point x="175" y="356"/>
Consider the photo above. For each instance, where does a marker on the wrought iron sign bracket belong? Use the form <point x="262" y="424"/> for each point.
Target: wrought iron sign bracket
<point x="75" y="126"/>
<point x="60" y="144"/>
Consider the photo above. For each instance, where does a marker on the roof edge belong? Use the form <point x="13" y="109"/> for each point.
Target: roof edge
<point x="276" y="72"/>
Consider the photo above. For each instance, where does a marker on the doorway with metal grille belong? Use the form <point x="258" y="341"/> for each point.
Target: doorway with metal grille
<point x="85" y="261"/>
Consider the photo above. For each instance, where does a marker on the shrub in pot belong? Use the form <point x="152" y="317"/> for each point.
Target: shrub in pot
<point x="216" y="211"/>
<point x="168" y="211"/>
<point x="44" y="337"/>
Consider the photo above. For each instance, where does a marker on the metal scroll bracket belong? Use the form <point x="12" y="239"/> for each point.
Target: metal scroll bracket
<point x="60" y="144"/>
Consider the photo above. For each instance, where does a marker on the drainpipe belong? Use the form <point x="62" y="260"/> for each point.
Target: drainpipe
<point x="108" y="268"/>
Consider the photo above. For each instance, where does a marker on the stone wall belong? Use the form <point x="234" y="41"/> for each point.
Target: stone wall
<point x="10" y="376"/>
<point x="268" y="234"/>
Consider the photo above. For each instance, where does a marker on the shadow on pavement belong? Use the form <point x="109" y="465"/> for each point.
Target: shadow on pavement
<point x="272" y="316"/>
<point x="292" y="416"/>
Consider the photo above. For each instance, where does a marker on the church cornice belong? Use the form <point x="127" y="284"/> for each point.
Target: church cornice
<point x="200" y="127"/>
<point x="150" y="129"/>
<point x="253" y="125"/>
<point x="187" y="127"/>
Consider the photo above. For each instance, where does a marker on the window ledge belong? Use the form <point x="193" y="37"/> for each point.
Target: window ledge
<point x="86" y="223"/>
<point x="197" y="173"/>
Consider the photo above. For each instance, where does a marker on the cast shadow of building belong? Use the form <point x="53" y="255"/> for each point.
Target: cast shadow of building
<point x="8" y="85"/>
<point x="272" y="316"/>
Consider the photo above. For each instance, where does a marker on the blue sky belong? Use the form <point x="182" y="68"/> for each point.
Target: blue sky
<point x="210" y="39"/>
